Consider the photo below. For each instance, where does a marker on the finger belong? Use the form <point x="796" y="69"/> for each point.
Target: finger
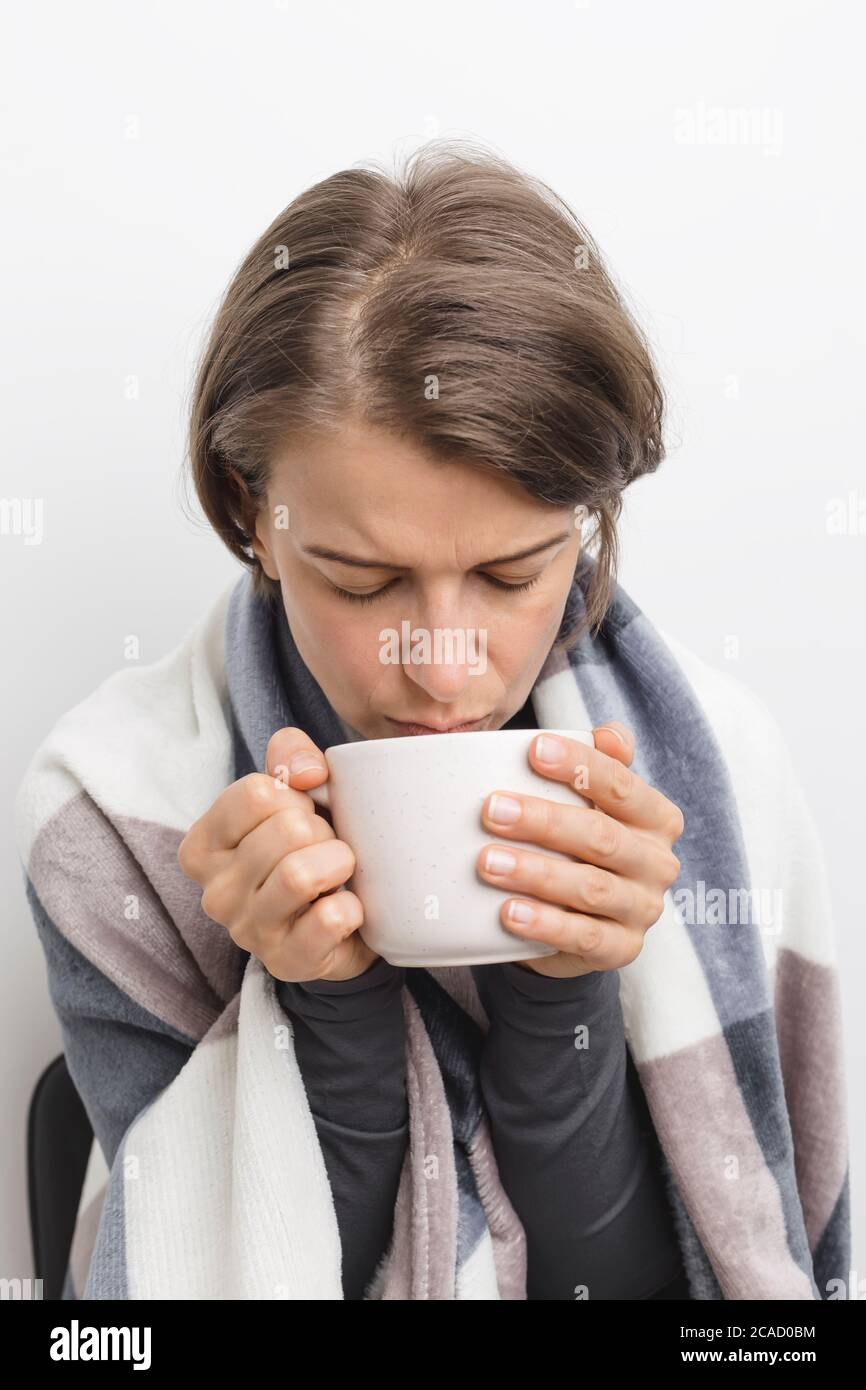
<point x="582" y="832"/>
<point x="300" y="877"/>
<point x="238" y="810"/>
<point x="230" y="887"/>
<point x="616" y="740"/>
<point x="611" y="785"/>
<point x="285" y="831"/>
<point x="598" y="943"/>
<point x="233" y="900"/>
<point x="580" y="887"/>
<point x="306" y="945"/>
<point x="293" y="757"/>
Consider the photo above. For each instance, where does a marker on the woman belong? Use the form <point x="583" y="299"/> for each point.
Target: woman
<point x="415" y="393"/>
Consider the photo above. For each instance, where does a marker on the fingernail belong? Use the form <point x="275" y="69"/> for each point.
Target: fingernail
<point x="520" y="912"/>
<point x="500" y="861"/>
<point x="302" y="761"/>
<point x="549" y="750"/>
<point x="611" y="730"/>
<point x="504" y="809"/>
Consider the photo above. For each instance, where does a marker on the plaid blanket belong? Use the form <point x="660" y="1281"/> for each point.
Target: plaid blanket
<point x="215" y="1186"/>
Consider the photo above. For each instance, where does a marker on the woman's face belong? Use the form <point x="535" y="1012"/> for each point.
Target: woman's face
<point x="443" y="642"/>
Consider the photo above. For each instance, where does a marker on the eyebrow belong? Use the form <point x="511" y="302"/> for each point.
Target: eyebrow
<point x="341" y="558"/>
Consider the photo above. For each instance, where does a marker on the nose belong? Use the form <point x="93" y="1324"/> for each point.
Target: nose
<point x="444" y="683"/>
<point x="444" y="661"/>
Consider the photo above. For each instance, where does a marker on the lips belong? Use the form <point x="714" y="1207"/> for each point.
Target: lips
<point x="416" y="729"/>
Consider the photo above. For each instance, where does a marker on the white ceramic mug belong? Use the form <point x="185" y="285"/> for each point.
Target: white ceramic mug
<point x="410" y="809"/>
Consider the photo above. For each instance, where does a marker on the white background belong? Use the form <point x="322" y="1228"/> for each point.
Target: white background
<point x="145" y="147"/>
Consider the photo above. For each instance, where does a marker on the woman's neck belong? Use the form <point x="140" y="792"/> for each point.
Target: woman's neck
<point x="524" y="718"/>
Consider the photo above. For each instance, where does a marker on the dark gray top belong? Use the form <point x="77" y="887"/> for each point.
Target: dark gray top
<point x="573" y="1139"/>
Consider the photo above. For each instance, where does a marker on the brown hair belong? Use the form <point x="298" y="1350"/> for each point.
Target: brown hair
<point x="459" y="303"/>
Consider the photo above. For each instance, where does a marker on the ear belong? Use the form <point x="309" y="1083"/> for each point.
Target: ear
<point x="251" y="516"/>
<point x="261" y="549"/>
<point x="615" y="740"/>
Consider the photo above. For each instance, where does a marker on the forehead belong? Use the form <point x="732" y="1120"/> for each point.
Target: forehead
<point x="367" y="489"/>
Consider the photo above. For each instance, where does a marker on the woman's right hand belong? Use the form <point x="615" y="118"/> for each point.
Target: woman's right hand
<point x="268" y="865"/>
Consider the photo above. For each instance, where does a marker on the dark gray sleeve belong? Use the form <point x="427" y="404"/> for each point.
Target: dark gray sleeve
<point x="573" y="1138"/>
<point x="350" y="1046"/>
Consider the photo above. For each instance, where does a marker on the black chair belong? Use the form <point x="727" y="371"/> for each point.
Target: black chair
<point x="59" y="1139"/>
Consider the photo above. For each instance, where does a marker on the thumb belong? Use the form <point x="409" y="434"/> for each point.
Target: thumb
<point x="287" y="750"/>
<point x="616" y="740"/>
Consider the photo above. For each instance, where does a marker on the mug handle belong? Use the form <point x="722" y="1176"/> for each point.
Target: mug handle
<point x="321" y="798"/>
<point x="319" y="795"/>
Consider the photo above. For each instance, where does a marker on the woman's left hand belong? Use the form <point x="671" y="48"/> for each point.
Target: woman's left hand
<point x="597" y="911"/>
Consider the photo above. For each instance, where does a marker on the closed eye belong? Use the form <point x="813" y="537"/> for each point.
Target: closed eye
<point x="377" y="593"/>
